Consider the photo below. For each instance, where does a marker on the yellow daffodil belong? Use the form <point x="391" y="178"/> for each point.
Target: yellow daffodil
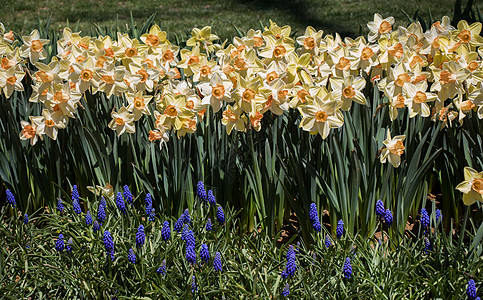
<point x="202" y="38"/>
<point x="11" y="80"/>
<point x="472" y="187"/>
<point x="416" y="98"/>
<point x="468" y="34"/>
<point x="346" y="90"/>
<point x="33" y="47"/>
<point x="379" y="27"/>
<point x="29" y="132"/>
<point x="155" y="38"/>
<point x="138" y="104"/>
<point x="393" y="149"/>
<point x="233" y="118"/>
<point x="122" y="121"/>
<point x="320" y="116"/>
<point x="50" y="123"/>
<point x="159" y="135"/>
<point x="216" y="92"/>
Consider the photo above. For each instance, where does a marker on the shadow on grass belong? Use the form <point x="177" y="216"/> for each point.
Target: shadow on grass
<point x="301" y="14"/>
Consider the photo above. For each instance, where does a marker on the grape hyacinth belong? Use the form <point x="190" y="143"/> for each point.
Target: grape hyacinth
<point x="148" y="202"/>
<point x="109" y="244"/>
<point x="25" y="219"/>
<point x="190" y="238"/>
<point x="190" y="254"/>
<point x="140" y="236"/>
<point x="208" y="226"/>
<point x="286" y="290"/>
<point x="101" y="213"/>
<point x="179" y="224"/>
<point x="151" y="215"/>
<point x="217" y="263"/>
<point x="471" y="290"/>
<point x="10" y="198"/>
<point x="96" y="226"/>
<point x="347" y="268"/>
<point x="388" y="217"/>
<point x="131" y="256"/>
<point x="88" y="218"/>
<point x="166" y="231"/>
<point x="339" y="231"/>
<point x="439" y="216"/>
<point x="59" y="244"/>
<point x="380" y="211"/>
<point x="220" y="215"/>
<point x="328" y="243"/>
<point x="60" y="206"/>
<point x="291" y="266"/>
<point x="69" y="245"/>
<point x="314" y="217"/>
<point x="120" y="203"/>
<point x="194" y="288"/>
<point x="204" y="253"/>
<point x="127" y="194"/>
<point x="75" y="200"/>
<point x="424" y="218"/>
<point x="200" y="190"/>
<point x="162" y="270"/>
<point x="186" y="217"/>
<point x="211" y="198"/>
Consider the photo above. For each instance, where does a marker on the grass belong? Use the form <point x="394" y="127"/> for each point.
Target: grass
<point x="346" y="17"/>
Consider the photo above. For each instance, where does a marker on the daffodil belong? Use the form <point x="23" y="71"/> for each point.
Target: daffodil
<point x="174" y="110"/>
<point x="320" y="116"/>
<point x="10" y="60"/>
<point x="29" y="132"/>
<point x="83" y="75"/>
<point x="33" y="47"/>
<point x="216" y="92"/>
<point x="416" y="98"/>
<point x="472" y="187"/>
<point x="247" y="95"/>
<point x="63" y="98"/>
<point x="393" y="149"/>
<point x="379" y="27"/>
<point x="202" y="38"/>
<point x="138" y="104"/>
<point x="348" y="89"/>
<point x="468" y="34"/>
<point x="154" y="38"/>
<point x="111" y="80"/>
<point x="233" y="118"/>
<point x="122" y="121"/>
<point x="310" y="41"/>
<point x="11" y="80"/>
<point x="50" y="123"/>
<point x="159" y="135"/>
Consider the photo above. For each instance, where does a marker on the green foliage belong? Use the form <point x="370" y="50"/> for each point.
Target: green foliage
<point x="31" y="267"/>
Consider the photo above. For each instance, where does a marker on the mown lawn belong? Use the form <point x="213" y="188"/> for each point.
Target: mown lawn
<point x="177" y="16"/>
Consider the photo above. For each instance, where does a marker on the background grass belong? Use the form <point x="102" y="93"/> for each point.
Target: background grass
<point x="346" y="17"/>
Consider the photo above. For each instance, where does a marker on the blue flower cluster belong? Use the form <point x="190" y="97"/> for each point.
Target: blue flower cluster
<point x="211" y="198"/>
<point x="291" y="265"/>
<point x="148" y="203"/>
<point x="75" y="200"/>
<point x="204" y="253"/>
<point x="131" y="256"/>
<point x="217" y="262"/>
<point x="347" y="268"/>
<point x="200" y="191"/>
<point x="140" y="236"/>
<point x="314" y="217"/>
<point x="59" y="244"/>
<point x="88" y="218"/>
<point x="162" y="269"/>
<point x="339" y="231"/>
<point x="286" y="290"/>
<point x="220" y="215"/>
<point x="120" y="203"/>
<point x="166" y="231"/>
<point x="127" y="194"/>
<point x="10" y="198"/>
<point x="109" y="244"/>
